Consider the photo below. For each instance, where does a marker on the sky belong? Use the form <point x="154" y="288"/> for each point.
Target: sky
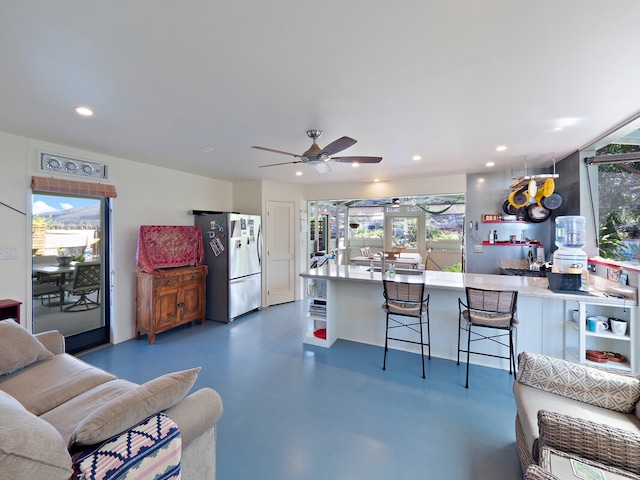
<point x="43" y="204"/>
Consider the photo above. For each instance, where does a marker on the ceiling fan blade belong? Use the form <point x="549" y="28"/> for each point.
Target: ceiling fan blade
<point x="339" y="145"/>
<point x="282" y="163"/>
<point x="276" y="151"/>
<point x="322" y="167"/>
<point x="356" y="159"/>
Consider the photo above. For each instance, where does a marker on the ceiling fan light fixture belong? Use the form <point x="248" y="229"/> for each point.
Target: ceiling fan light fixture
<point x="322" y="167"/>
<point x="320" y="157"/>
<point x="355" y="164"/>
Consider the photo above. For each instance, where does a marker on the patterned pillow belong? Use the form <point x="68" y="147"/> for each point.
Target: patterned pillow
<point x="151" y="449"/>
<point x="579" y="382"/>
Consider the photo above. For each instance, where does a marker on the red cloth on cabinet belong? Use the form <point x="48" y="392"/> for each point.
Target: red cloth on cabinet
<point x="166" y="246"/>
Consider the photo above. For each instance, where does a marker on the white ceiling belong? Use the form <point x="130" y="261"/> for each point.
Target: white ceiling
<point x="447" y="79"/>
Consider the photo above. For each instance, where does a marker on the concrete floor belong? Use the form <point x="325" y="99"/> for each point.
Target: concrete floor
<point x="293" y="411"/>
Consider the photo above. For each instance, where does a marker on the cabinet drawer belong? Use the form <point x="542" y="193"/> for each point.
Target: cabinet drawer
<point x="189" y="277"/>
<point x="167" y="281"/>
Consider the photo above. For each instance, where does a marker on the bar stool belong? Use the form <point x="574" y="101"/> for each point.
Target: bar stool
<point x="488" y="309"/>
<point x="403" y="299"/>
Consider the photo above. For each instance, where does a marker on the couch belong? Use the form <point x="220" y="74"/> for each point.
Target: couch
<point x="64" y="417"/>
<point x="582" y="410"/>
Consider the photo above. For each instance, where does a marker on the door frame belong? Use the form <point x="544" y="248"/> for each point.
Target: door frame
<point x="101" y="335"/>
<point x="271" y="236"/>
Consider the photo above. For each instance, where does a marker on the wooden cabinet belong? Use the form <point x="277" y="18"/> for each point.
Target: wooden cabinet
<point x="168" y="298"/>
<point x="10" y="309"/>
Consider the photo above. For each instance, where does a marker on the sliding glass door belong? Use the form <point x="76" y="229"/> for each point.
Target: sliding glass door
<point x="70" y="284"/>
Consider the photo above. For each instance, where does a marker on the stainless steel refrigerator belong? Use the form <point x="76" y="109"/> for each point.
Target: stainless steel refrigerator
<point x="233" y="253"/>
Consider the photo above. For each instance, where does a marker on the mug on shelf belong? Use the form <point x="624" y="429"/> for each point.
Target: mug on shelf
<point x="618" y="326"/>
<point x="597" y="324"/>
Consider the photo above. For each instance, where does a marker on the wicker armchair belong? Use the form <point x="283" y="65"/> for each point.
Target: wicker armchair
<point x="590" y="440"/>
<point x="534" y="472"/>
<point x="579" y="409"/>
<point x="544" y="470"/>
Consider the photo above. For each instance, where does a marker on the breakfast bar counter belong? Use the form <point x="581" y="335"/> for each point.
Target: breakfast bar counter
<point x="350" y="298"/>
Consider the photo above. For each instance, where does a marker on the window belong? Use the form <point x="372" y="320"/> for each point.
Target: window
<point x="68" y="237"/>
<point x="366" y="222"/>
<point x="615" y="193"/>
<point x="404" y="233"/>
<point x="619" y="211"/>
<point x="444" y="222"/>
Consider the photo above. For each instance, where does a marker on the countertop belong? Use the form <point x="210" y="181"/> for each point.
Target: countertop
<point x="526" y="286"/>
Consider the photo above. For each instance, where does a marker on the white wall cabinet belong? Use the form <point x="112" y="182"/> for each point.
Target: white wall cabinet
<point x="578" y="339"/>
<point x="318" y="329"/>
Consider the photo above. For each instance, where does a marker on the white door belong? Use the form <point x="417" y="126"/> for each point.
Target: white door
<point x="280" y="248"/>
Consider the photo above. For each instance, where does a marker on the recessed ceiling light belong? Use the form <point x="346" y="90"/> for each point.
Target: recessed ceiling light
<point x="557" y="129"/>
<point x="501" y="148"/>
<point x="490" y="164"/>
<point x="84" y="111"/>
<point x="376" y="180"/>
<point x="298" y="173"/>
<point x="481" y="180"/>
<point x="206" y="149"/>
<point x="416" y="157"/>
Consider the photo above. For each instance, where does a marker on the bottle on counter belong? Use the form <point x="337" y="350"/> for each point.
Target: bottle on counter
<point x="529" y="257"/>
<point x="392" y="270"/>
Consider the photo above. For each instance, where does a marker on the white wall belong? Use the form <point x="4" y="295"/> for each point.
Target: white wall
<point x="13" y="233"/>
<point x="147" y="195"/>
<point x="247" y="197"/>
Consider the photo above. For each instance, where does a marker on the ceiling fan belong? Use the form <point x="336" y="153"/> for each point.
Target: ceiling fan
<point x="319" y="157"/>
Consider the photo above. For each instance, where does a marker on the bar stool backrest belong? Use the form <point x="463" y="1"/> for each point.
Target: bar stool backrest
<point x="492" y="301"/>
<point x="403" y="292"/>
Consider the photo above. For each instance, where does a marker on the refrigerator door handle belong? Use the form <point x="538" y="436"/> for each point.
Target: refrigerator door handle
<point x="259" y="245"/>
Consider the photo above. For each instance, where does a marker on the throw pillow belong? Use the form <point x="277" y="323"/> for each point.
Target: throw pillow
<point x="18" y="348"/>
<point x="151" y="449"/>
<point x="132" y="407"/>
<point x="30" y="447"/>
<point x="579" y="382"/>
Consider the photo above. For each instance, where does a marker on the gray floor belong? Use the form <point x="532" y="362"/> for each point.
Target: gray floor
<point x="293" y="411"/>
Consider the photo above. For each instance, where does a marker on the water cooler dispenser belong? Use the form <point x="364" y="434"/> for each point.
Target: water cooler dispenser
<point x="570" y="238"/>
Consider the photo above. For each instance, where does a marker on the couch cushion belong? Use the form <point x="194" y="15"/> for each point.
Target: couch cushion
<point x="579" y="382"/>
<point x="132" y="407"/>
<point x="67" y="416"/>
<point x="45" y="385"/>
<point x="18" y="348"/>
<point x="30" y="448"/>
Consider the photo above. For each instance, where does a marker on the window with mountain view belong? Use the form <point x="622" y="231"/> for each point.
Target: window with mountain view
<point x="69" y="288"/>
